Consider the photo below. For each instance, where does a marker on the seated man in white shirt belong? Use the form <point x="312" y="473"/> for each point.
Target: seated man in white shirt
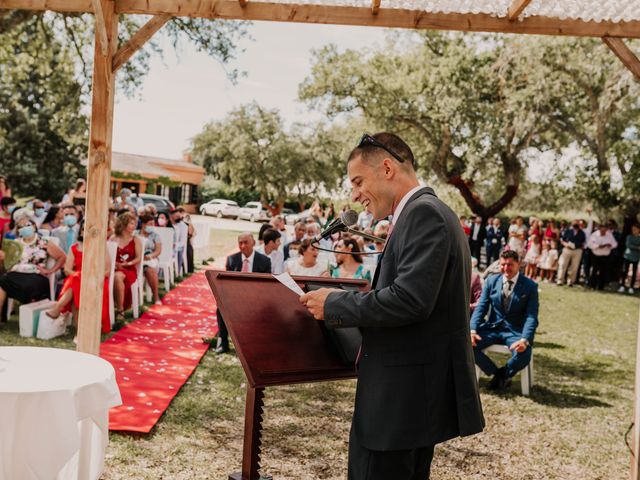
<point x="270" y="248"/>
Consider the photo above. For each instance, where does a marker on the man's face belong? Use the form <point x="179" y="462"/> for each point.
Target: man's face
<point x="71" y="212"/>
<point x="369" y="187"/>
<point x="496" y="223"/>
<point x="509" y="267"/>
<point x="299" y="231"/>
<point x="245" y="244"/>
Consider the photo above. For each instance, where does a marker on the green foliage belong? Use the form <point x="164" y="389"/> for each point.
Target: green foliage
<point x="42" y="133"/>
<point x="250" y="150"/>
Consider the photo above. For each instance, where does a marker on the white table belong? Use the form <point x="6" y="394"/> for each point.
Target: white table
<point x="54" y="413"/>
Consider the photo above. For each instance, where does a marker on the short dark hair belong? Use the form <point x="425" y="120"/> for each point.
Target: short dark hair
<point x="147" y="219"/>
<point x="7" y="201"/>
<point x="510" y="254"/>
<point x="389" y="140"/>
<point x="270" y="235"/>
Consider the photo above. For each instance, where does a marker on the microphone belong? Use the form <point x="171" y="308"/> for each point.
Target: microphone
<point x="340" y="224"/>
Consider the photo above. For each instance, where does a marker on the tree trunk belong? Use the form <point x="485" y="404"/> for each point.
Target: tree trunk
<point x="472" y="199"/>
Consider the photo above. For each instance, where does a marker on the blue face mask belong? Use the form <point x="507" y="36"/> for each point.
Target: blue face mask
<point x="70" y="220"/>
<point x="148" y="229"/>
<point x="39" y="212"/>
<point x="26" y="231"/>
<point x="12" y="208"/>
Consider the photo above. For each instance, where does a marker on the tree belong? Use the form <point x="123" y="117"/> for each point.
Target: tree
<point x="250" y="150"/>
<point x="42" y="135"/>
<point x="45" y="84"/>
<point x="593" y="102"/>
<point x="457" y="99"/>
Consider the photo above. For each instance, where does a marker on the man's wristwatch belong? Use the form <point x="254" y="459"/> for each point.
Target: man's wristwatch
<point x="526" y="342"/>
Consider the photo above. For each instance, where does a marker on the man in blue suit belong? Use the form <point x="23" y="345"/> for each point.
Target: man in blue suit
<point x="511" y="301"/>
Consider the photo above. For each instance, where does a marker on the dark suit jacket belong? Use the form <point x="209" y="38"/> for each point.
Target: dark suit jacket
<point x="261" y="263"/>
<point x="494" y="233"/>
<point x="416" y="379"/>
<point x="522" y="313"/>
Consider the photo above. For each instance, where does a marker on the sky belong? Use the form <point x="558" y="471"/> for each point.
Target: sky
<point x="184" y="92"/>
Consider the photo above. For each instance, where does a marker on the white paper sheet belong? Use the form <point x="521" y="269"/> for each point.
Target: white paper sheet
<point x="290" y="283"/>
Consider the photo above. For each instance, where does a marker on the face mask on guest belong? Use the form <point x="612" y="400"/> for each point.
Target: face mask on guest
<point x="39" y="212"/>
<point x="162" y="221"/>
<point x="148" y="229"/>
<point x="26" y="231"/>
<point x="70" y="220"/>
<point x="11" y="208"/>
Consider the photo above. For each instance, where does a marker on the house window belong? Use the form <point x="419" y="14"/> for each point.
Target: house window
<point x="185" y="194"/>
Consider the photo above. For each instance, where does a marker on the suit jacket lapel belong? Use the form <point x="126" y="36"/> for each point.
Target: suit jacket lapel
<point x="422" y="191"/>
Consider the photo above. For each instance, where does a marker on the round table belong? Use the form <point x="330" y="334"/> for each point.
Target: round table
<point x="54" y="413"/>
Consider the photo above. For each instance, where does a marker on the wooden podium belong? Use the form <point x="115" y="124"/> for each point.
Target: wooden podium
<point x="278" y="343"/>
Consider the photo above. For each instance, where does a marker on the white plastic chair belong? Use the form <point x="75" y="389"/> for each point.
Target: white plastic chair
<point x="526" y="374"/>
<point x="165" y="260"/>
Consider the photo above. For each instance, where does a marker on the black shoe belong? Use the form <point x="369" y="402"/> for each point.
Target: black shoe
<point x="500" y="382"/>
<point x="222" y="347"/>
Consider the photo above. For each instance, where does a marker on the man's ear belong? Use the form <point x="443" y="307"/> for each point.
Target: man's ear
<point x="388" y="168"/>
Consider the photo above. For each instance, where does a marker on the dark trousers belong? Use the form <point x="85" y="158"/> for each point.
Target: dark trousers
<point x="190" y="265"/>
<point x="493" y="252"/>
<point x="501" y="337"/>
<point x="365" y="464"/>
<point x="476" y="246"/>
<point x="223" y="333"/>
<point x="600" y="266"/>
<point x="587" y="266"/>
<point x="625" y="272"/>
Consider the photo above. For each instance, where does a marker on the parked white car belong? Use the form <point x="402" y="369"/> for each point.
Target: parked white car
<point x="255" y="212"/>
<point x="220" y="208"/>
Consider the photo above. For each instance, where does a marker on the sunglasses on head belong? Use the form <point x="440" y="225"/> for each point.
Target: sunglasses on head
<point x="368" y="141"/>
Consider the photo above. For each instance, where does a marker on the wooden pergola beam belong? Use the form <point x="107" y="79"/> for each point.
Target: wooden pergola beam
<point x="624" y="53"/>
<point x="375" y="7"/>
<point x="137" y="41"/>
<point x="516" y="8"/>
<point x="344" y="15"/>
<point x="101" y="29"/>
<point x="98" y="179"/>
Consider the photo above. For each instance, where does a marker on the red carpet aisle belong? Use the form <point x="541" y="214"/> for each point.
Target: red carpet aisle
<point x="155" y="355"/>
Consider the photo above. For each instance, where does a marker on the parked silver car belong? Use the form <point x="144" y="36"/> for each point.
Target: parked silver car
<point x="220" y="208"/>
<point x="255" y="212"/>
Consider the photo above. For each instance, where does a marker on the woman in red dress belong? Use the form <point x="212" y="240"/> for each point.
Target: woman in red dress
<point x="128" y="257"/>
<point x="71" y="287"/>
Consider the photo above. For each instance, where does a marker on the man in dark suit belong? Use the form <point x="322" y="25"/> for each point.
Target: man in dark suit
<point x="476" y="237"/>
<point x="494" y="240"/>
<point x="246" y="260"/>
<point x="416" y="378"/>
<point x="512" y="321"/>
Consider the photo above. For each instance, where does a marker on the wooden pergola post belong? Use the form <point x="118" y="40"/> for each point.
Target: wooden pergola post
<point x="98" y="178"/>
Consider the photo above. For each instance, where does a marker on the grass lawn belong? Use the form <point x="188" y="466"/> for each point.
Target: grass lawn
<point x="572" y="425"/>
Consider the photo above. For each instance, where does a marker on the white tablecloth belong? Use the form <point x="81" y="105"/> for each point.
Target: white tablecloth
<point x="54" y="413"/>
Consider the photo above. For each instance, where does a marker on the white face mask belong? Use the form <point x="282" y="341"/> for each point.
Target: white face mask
<point x="294" y="253"/>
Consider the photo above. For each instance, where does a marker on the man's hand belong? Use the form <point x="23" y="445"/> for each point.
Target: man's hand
<point x="475" y="338"/>
<point x="314" y="301"/>
<point x="519" y="346"/>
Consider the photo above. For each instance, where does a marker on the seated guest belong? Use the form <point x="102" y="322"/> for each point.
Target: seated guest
<point x="152" y="247"/>
<point x="476" y="284"/>
<point x="54" y="218"/>
<point x="27" y="280"/>
<point x="271" y="248"/>
<point x="299" y="230"/>
<point x="246" y="260"/>
<point x="39" y="211"/>
<point x="68" y="232"/>
<point x="128" y="256"/>
<point x="7" y="206"/>
<point x="349" y="262"/>
<point x="71" y="287"/>
<point x="511" y="302"/>
<point x="307" y="261"/>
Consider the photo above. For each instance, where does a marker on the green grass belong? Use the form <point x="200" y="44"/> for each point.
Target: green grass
<point x="572" y="425"/>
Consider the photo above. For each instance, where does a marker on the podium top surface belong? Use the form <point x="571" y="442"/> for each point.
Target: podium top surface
<point x="276" y="338"/>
